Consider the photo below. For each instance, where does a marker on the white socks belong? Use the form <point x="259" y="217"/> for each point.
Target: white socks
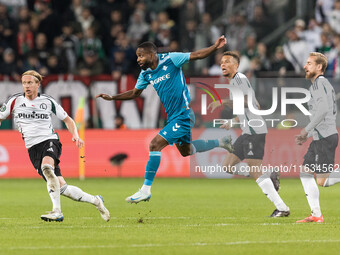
<point x="312" y="193"/>
<point x="268" y="189"/>
<point x="77" y="194"/>
<point x="333" y="178"/>
<point x="146" y="189"/>
<point x="53" y="186"/>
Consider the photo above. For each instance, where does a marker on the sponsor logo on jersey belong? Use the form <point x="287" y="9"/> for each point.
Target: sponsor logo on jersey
<point x="33" y="115"/>
<point x="164" y="68"/>
<point x="159" y="79"/>
<point x="22" y="105"/>
<point x="43" y="106"/>
<point x="50" y="149"/>
<point x="3" y="108"/>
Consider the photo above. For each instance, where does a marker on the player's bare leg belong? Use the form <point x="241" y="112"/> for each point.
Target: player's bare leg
<point x="144" y="194"/>
<point x="185" y="149"/>
<point x="230" y="162"/>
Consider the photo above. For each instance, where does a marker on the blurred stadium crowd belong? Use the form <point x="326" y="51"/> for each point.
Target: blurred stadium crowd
<point x="91" y="37"/>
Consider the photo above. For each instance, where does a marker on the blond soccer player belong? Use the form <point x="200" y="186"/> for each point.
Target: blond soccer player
<point x="32" y="114"/>
<point x="319" y="158"/>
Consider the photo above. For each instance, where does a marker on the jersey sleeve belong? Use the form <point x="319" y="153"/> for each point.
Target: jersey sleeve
<point x="179" y="58"/>
<point x="58" y="110"/>
<point x="141" y="82"/>
<point x="244" y="85"/>
<point x="5" y="109"/>
<point x="318" y="93"/>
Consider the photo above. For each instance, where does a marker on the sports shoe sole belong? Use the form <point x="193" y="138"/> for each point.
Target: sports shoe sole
<point x="49" y="220"/>
<point x="136" y="202"/>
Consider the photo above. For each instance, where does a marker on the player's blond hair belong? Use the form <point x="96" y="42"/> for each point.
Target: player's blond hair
<point x="33" y="73"/>
<point x="320" y="59"/>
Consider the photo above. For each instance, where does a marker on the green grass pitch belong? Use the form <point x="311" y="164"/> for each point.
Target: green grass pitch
<point x="184" y="216"/>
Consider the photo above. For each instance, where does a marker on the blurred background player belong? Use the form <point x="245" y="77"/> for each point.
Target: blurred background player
<point x="119" y="122"/>
<point x="164" y="72"/>
<point x="32" y="114"/>
<point x="250" y="145"/>
<point x="319" y="158"/>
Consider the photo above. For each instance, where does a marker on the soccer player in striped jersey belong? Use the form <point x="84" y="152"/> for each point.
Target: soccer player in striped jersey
<point x="164" y="73"/>
<point x="320" y="156"/>
<point x="250" y="145"/>
<point x="32" y="114"/>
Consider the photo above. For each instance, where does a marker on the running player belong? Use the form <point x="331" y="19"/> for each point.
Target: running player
<point x="319" y="158"/>
<point x="32" y="115"/>
<point x="164" y="73"/>
<point x="250" y="145"/>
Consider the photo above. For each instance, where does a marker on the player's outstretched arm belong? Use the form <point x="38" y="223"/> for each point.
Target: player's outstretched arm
<point x="72" y="128"/>
<point x="128" y="95"/>
<point x="203" y="53"/>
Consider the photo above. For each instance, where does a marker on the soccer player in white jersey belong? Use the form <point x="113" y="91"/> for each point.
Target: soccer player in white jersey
<point x="320" y="156"/>
<point x="250" y="145"/>
<point x="32" y="115"/>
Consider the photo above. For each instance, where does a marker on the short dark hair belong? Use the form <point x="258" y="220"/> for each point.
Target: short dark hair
<point x="234" y="54"/>
<point x="148" y="46"/>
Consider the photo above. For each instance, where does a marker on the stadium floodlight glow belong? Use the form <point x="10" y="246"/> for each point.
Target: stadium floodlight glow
<point x="238" y="100"/>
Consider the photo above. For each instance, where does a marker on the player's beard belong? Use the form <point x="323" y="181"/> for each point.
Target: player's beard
<point x="309" y="75"/>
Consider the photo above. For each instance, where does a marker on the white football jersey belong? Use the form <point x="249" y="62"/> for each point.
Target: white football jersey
<point x="33" y="118"/>
<point x="323" y="109"/>
<point x="257" y="125"/>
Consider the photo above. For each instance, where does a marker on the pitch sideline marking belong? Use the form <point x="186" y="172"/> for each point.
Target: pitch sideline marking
<point x="170" y="245"/>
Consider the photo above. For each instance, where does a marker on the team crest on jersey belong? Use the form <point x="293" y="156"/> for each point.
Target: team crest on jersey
<point x="3" y="108"/>
<point x="43" y="106"/>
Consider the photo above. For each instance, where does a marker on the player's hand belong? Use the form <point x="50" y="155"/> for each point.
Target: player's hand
<point x="104" y="96"/>
<point x="79" y="143"/>
<point x="220" y="42"/>
<point x="213" y="106"/>
<point x="226" y="126"/>
<point x="299" y="140"/>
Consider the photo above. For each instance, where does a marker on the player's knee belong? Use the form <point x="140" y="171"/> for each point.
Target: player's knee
<point x="321" y="182"/>
<point x="48" y="171"/>
<point x="154" y="146"/>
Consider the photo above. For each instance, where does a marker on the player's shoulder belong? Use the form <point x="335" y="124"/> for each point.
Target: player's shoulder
<point x="240" y="78"/>
<point x="320" y="82"/>
<point x="46" y="97"/>
<point x="164" y="55"/>
<point x="14" y="97"/>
